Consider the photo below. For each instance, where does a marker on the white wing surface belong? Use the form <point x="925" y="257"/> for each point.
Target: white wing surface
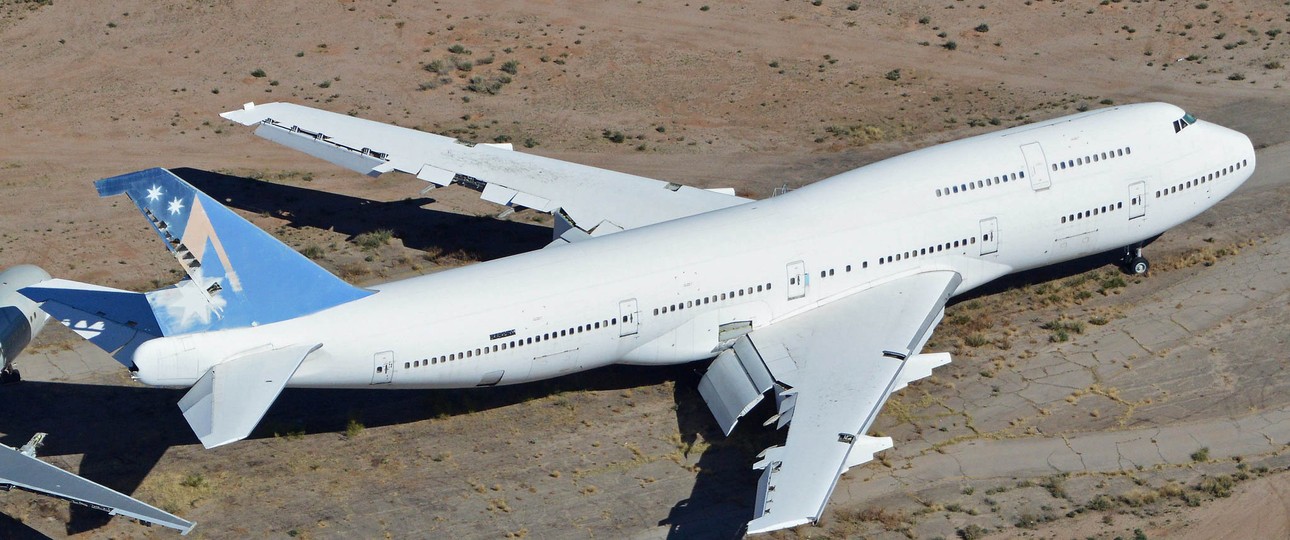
<point x="594" y="201"/>
<point x="833" y="368"/>
<point x="21" y="469"/>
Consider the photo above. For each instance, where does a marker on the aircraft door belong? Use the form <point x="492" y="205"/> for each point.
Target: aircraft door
<point x="1036" y="166"/>
<point x="628" y="318"/>
<point x="796" y="280"/>
<point x="989" y="236"/>
<point x="383" y="367"/>
<point x="1137" y="200"/>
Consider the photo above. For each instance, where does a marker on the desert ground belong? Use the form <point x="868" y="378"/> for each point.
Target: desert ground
<point x="1081" y="403"/>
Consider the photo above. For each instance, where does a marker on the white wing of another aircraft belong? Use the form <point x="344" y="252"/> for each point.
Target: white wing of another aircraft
<point x="833" y="368"/>
<point x="19" y="468"/>
<point x="592" y="201"/>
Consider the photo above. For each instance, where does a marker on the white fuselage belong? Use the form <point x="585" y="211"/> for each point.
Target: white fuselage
<point x="985" y="207"/>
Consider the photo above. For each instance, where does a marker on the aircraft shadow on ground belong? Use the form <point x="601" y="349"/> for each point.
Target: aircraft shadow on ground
<point x="122" y="432"/>
<point x="419" y="228"/>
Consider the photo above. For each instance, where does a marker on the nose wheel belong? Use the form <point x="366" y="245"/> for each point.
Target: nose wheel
<point x="1133" y="262"/>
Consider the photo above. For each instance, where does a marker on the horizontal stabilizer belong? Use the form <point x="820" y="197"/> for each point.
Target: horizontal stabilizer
<point x="26" y="472"/>
<point x="114" y="320"/>
<point x="231" y="398"/>
<point x="238" y="275"/>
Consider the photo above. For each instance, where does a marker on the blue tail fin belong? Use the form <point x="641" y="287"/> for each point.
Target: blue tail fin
<point x="238" y="275"/>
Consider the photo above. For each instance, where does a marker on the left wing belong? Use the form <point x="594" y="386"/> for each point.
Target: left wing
<point x="586" y="200"/>
<point x="832" y="370"/>
<point x="19" y="468"/>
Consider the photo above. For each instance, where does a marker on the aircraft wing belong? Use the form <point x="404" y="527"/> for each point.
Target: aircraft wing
<point x="21" y="469"/>
<point x="832" y="370"/>
<point x="591" y="200"/>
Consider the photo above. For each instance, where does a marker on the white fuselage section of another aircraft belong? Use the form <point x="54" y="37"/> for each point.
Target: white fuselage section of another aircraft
<point x="984" y="207"/>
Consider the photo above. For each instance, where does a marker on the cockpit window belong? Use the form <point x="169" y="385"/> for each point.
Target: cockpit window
<point x="1183" y="122"/>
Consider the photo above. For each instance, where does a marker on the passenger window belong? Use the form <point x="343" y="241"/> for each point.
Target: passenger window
<point x="406" y="366"/>
<point x="759" y="288"/>
<point x="938" y="192"/>
<point x="848" y="268"/>
<point x="864" y="264"/>
<point x="741" y="292"/>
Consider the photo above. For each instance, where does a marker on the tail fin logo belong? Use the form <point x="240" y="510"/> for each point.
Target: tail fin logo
<point x="196" y="302"/>
<point x="212" y="244"/>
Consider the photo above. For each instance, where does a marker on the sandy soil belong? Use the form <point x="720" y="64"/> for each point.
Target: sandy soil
<point x="751" y="95"/>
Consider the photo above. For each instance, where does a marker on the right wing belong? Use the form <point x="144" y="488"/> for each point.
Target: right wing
<point x="20" y="469"/>
<point x="587" y="200"/>
<point x="832" y="369"/>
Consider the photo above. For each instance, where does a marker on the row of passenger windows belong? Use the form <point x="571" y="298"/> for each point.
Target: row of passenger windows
<point x="710" y="299"/>
<point x="906" y="255"/>
<point x="1203" y="179"/>
<point x="931" y="250"/>
<point x="977" y="184"/>
<point x="1095" y="157"/>
<point x="515" y="343"/>
<point x="1095" y="211"/>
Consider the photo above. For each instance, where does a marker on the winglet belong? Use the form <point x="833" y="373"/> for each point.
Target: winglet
<point x="230" y="399"/>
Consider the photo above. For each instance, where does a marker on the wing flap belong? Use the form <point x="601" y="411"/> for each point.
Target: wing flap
<point x="730" y="390"/>
<point x="229" y="400"/>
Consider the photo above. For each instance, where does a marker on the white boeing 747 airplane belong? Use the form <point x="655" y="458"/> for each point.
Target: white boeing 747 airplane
<point x="824" y="296"/>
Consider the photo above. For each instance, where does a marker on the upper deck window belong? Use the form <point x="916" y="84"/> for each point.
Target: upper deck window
<point x="1183" y="122"/>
